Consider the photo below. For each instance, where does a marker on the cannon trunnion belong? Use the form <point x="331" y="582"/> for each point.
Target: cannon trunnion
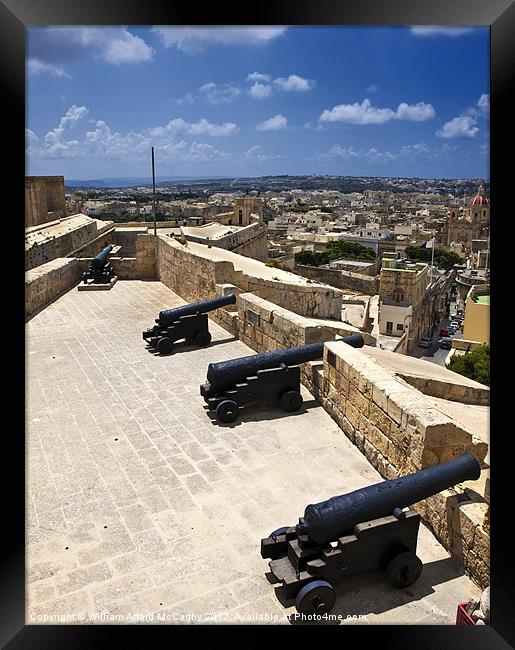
<point x="365" y="530"/>
<point x="270" y="377"/>
<point x="189" y="322"/>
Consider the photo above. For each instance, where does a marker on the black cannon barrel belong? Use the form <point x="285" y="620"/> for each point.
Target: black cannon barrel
<point x="168" y="316"/>
<point x="99" y="261"/>
<point x="333" y="518"/>
<point x="226" y="373"/>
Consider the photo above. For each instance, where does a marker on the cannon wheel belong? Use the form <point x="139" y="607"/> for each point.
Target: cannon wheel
<point x="291" y="400"/>
<point x="317" y="597"/>
<point x="227" y="411"/>
<point x="203" y="337"/>
<point x="404" y="569"/>
<point x="164" y="345"/>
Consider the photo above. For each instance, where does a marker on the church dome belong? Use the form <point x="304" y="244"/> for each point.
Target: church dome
<point x="480" y="198"/>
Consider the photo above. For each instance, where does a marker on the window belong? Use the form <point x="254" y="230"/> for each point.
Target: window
<point x="389" y="327"/>
<point x="398" y="294"/>
<point x="400" y="328"/>
<point x="240" y="217"/>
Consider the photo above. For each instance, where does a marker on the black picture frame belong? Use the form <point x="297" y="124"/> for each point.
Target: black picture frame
<point x="15" y="17"/>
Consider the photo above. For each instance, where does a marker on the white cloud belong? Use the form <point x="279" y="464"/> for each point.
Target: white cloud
<point x="48" y="47"/>
<point x="365" y="113"/>
<point x="202" y="127"/>
<point x="258" y="76"/>
<point x="273" y="124"/>
<point x="254" y="154"/>
<point x="337" y="151"/>
<point x="260" y="91"/>
<point x="484" y="103"/>
<point x="34" y="66"/>
<point x="102" y="143"/>
<point x="189" y="98"/>
<point x="294" y="83"/>
<point x="219" y="94"/>
<point x="194" y="40"/>
<point x="419" y="112"/>
<point x="123" y="47"/>
<point x="436" y="30"/>
<point x="30" y="136"/>
<point x="314" y="126"/>
<point x="463" y="126"/>
<point x="420" y="150"/>
<point x="373" y="88"/>
<point x="73" y="115"/>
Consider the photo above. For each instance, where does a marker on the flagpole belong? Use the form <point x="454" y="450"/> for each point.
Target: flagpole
<point x="432" y="259"/>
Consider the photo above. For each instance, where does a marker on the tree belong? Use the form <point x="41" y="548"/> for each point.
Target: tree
<point x="350" y="250"/>
<point x="474" y="365"/>
<point x="311" y="259"/>
<point x="442" y="258"/>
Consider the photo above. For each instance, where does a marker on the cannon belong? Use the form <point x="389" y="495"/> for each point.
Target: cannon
<point x="100" y="270"/>
<point x="269" y="377"/>
<point x="365" y="530"/>
<point x="188" y="322"/>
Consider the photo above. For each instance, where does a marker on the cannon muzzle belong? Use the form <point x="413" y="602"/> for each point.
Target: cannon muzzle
<point x="99" y="261"/>
<point x="328" y="520"/>
<point x="168" y="316"/>
<point x="226" y="373"/>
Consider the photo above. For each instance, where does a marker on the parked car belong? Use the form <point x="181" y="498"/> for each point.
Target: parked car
<point x="446" y="344"/>
<point x="425" y="342"/>
<point x="455" y="324"/>
<point x="445" y="331"/>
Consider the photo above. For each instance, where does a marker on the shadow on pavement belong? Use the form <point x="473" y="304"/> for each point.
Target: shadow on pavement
<point x="182" y="346"/>
<point x="258" y="413"/>
<point x="371" y="593"/>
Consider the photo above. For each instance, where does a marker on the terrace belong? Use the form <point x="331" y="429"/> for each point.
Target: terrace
<point x="138" y="504"/>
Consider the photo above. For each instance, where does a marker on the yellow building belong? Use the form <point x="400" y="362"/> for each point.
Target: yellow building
<point x="476" y="326"/>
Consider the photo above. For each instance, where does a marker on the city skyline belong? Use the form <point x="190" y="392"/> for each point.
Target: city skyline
<point x="249" y="101"/>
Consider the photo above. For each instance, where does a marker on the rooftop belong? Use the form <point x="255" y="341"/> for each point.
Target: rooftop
<point x="136" y="502"/>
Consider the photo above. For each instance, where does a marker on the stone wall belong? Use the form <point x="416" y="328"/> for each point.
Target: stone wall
<point x="401" y="430"/>
<point x="140" y="267"/>
<point x="340" y="279"/>
<point x="44" y="199"/>
<point x="256" y="248"/>
<point x="193" y="276"/>
<point x="64" y="244"/>
<point x="46" y="283"/>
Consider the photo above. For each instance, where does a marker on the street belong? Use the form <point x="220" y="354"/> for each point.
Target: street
<point x="435" y="354"/>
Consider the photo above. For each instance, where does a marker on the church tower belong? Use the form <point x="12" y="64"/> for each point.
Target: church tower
<point x="478" y="209"/>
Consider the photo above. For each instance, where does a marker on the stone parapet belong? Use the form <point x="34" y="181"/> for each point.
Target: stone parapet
<point x="400" y="430"/>
<point x="47" y="282"/>
<point x="193" y="274"/>
<point x="362" y="282"/>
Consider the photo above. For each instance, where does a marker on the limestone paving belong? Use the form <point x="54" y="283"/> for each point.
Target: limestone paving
<point x="139" y="509"/>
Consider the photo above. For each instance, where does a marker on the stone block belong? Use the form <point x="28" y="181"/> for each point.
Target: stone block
<point x="379" y="419"/>
<point x="358" y="399"/>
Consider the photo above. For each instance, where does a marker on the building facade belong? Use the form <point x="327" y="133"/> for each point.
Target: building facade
<point x="44" y="199"/>
<point x="476" y="326"/>
<point x="474" y="223"/>
<point x="411" y="299"/>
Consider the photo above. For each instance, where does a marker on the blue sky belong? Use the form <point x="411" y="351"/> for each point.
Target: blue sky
<point x="246" y="101"/>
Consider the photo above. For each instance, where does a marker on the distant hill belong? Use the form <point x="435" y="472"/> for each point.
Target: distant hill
<point x="129" y="181"/>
